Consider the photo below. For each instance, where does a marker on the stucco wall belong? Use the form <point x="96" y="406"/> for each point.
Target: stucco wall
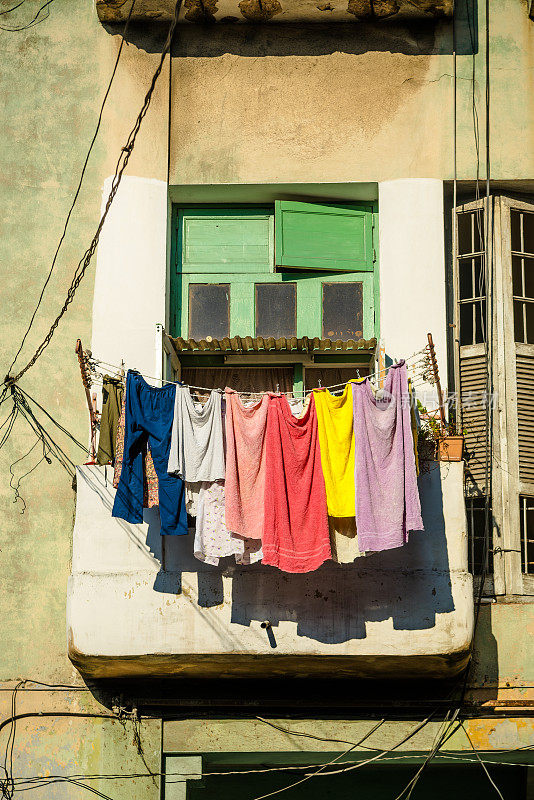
<point x="365" y="104"/>
<point x="52" y="81"/>
<point x="350" y="103"/>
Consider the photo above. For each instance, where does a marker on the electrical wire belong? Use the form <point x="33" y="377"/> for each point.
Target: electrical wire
<point x="79" y="186"/>
<point x="120" y="168"/>
<point x="9" y="10"/>
<point x="32" y="23"/>
<point x="498" y="791"/>
<point x="488" y="351"/>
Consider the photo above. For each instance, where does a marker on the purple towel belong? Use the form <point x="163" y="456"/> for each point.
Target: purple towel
<point x="387" y="497"/>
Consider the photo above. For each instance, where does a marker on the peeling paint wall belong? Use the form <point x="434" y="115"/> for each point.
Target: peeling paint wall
<point x="52" y="81"/>
<point x="355" y="103"/>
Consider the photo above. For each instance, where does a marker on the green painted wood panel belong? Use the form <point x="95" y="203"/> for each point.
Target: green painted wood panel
<point x="221" y="258"/>
<point x="228" y="240"/>
<point x="324" y="237"/>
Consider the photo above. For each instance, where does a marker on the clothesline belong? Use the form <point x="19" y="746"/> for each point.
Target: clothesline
<point x="263" y="481"/>
<point x="119" y="372"/>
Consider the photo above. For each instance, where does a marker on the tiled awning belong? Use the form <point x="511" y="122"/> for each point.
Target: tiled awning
<point x="248" y="344"/>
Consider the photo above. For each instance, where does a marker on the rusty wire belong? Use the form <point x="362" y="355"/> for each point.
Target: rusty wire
<point x="120" y="168"/>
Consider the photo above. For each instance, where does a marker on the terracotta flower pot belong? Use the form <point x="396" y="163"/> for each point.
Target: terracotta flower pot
<point x="450" y="448"/>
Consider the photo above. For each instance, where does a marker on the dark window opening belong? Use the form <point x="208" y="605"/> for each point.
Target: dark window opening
<point x="480" y="547"/>
<point x="472" y="322"/>
<point x="209" y="310"/>
<point x="471" y="232"/>
<point x="342" y="311"/>
<point x="242" y="379"/>
<point x="471" y="277"/>
<point x="333" y="376"/>
<point x="526" y="520"/>
<point x="522" y="225"/>
<point x="276" y="309"/>
<point x="523" y="289"/>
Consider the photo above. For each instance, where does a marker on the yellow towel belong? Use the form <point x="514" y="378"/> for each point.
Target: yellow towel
<point x="336" y="439"/>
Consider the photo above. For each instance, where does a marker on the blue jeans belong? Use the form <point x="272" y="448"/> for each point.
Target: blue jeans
<point x="149" y="416"/>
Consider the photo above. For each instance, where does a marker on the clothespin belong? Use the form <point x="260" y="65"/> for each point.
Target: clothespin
<point x="320" y="384"/>
<point x="121" y="371"/>
<point x="358" y="373"/>
<point x="277" y="388"/>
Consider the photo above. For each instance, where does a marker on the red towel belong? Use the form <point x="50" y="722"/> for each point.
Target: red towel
<point x="295" y="530"/>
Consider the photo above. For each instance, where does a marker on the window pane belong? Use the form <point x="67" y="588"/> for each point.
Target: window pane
<point x="466" y="323"/>
<point x="465" y="269"/>
<point x="527" y="534"/>
<point x="465" y="238"/>
<point x="517" y="279"/>
<point x="518" y="321"/>
<point x="480" y="321"/>
<point x="478" y="231"/>
<point x="480" y="279"/>
<point x="528" y="232"/>
<point x="529" y="307"/>
<point x="276" y="309"/>
<point x="342" y="310"/>
<point x="476" y="526"/>
<point x="209" y="310"/>
<point x="529" y="277"/>
<point x="515" y="223"/>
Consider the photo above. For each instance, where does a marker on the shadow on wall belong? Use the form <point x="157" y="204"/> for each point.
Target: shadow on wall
<point x="410" y="585"/>
<point x="425" y="37"/>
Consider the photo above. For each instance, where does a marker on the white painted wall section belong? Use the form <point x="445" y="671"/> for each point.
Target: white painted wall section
<point x="131" y="271"/>
<point x="412" y="269"/>
<point x="403" y="612"/>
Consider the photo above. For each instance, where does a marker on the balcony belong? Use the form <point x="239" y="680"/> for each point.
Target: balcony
<point x="141" y="605"/>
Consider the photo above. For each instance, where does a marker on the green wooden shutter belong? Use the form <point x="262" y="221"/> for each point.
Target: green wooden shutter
<point x="225" y="241"/>
<point x="336" y="238"/>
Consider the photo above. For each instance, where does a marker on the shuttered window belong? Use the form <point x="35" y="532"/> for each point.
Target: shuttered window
<point x="511" y="226"/>
<point x="471" y="313"/>
<point x="473" y="416"/>
<point x="525" y="416"/>
<point x="526" y="512"/>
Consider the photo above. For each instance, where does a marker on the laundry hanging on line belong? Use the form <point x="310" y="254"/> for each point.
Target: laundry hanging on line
<point x="112" y="396"/>
<point x="285" y="475"/>
<point x="148" y="421"/>
<point x="387" y="497"/>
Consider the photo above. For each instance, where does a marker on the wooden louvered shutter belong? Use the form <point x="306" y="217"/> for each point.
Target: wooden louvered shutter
<point x="525" y="416"/>
<point x="473" y="415"/>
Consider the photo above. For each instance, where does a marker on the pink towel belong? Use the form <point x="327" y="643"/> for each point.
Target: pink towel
<point x="245" y="465"/>
<point x="295" y="532"/>
<point x="387" y="496"/>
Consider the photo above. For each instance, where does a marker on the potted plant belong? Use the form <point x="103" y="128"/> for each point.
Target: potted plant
<point x="451" y="446"/>
<point x="447" y="442"/>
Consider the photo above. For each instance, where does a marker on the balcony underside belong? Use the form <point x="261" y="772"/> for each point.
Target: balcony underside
<point x="238" y="665"/>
